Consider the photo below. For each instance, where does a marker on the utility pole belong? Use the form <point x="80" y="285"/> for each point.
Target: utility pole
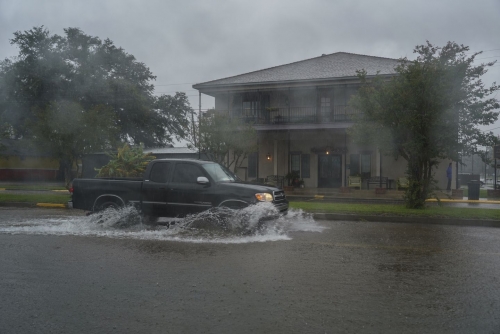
<point x="199" y="122"/>
<point x="485" y="167"/>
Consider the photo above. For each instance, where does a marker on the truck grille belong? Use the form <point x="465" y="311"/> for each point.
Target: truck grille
<point x="279" y="196"/>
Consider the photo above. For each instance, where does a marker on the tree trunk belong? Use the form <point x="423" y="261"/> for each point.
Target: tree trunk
<point x="414" y="195"/>
<point x="68" y="173"/>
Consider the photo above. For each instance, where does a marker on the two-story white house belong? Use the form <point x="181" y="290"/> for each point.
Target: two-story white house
<point x="301" y="112"/>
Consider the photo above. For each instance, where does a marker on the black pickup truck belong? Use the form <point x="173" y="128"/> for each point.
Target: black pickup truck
<point x="174" y="188"/>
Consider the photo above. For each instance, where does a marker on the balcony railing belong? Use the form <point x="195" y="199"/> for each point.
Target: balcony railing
<point x="296" y="115"/>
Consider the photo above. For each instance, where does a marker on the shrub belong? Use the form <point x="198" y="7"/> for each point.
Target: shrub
<point x="128" y="162"/>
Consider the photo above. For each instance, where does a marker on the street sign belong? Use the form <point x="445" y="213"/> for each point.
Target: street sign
<point x="496" y="152"/>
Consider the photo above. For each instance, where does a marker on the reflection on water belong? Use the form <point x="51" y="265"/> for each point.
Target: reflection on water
<point x="257" y="223"/>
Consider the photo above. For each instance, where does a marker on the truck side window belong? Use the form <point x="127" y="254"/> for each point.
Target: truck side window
<point x="186" y="173"/>
<point x="159" y="172"/>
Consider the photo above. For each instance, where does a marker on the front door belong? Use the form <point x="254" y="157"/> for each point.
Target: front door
<point x="329" y="170"/>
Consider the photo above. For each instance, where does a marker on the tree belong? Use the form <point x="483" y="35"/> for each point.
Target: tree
<point x="69" y="132"/>
<point x="174" y="112"/>
<point x="227" y="140"/>
<point x="430" y="111"/>
<point x="85" y="74"/>
<point x="4" y="133"/>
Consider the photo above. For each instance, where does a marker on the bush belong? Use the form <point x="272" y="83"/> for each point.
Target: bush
<point x="128" y="162"/>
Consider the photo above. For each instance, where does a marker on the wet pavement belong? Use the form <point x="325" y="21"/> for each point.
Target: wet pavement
<point x="313" y="277"/>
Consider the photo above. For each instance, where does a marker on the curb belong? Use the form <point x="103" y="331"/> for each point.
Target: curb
<point x="51" y="205"/>
<point x="33" y="205"/>
<point x="418" y="220"/>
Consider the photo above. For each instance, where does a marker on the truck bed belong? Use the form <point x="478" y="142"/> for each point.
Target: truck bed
<point x="127" y="189"/>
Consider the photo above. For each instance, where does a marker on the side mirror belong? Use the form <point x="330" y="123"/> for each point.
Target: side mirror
<point x="202" y="180"/>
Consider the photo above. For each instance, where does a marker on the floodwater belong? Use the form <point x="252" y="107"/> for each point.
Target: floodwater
<point x="68" y="273"/>
<point x="257" y="223"/>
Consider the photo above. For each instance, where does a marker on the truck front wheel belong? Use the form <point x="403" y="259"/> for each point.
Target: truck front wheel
<point x="107" y="205"/>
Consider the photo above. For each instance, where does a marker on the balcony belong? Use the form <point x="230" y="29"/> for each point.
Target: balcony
<point x="296" y="115"/>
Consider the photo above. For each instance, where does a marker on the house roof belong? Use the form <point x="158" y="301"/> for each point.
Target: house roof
<point x="335" y="65"/>
<point x="170" y="150"/>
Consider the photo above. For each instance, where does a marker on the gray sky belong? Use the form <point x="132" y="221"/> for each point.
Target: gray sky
<point x="190" y="41"/>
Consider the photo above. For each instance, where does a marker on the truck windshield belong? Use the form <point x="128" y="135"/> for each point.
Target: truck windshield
<point x="219" y="173"/>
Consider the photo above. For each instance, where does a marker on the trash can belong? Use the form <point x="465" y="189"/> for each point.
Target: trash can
<point x="474" y="186"/>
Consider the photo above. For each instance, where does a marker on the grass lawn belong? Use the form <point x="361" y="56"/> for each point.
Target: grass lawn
<point x="35" y="198"/>
<point x="397" y="210"/>
<point x="31" y="187"/>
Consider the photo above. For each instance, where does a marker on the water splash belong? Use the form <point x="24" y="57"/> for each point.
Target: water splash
<point x="256" y="223"/>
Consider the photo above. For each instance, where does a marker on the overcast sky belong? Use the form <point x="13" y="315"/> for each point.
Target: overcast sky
<point x="191" y="41"/>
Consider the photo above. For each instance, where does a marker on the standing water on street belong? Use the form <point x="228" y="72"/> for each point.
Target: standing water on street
<point x="256" y="223"/>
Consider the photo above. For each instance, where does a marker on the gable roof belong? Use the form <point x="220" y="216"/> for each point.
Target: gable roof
<point x="335" y="65"/>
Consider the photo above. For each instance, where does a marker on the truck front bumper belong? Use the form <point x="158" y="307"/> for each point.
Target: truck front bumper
<point x="282" y="207"/>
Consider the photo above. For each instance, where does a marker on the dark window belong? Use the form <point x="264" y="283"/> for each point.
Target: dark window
<point x="253" y="159"/>
<point x="360" y="165"/>
<point x="366" y="166"/>
<point x="300" y="163"/>
<point x="325" y="105"/>
<point x="295" y="163"/>
<point x="305" y="164"/>
<point x="354" y="165"/>
<point x="160" y="172"/>
<point x="186" y="173"/>
<point x="250" y="108"/>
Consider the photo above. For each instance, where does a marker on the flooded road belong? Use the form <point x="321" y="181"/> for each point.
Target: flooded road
<point x="61" y="273"/>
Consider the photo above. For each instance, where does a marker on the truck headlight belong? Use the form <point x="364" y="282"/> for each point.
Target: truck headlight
<point x="264" y="197"/>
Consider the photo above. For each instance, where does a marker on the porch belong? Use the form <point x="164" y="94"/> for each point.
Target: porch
<point x="294" y="115"/>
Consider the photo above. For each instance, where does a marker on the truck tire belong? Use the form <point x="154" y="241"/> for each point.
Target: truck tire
<point x="107" y="205"/>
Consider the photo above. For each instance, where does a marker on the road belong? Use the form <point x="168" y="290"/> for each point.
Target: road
<point x="61" y="274"/>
